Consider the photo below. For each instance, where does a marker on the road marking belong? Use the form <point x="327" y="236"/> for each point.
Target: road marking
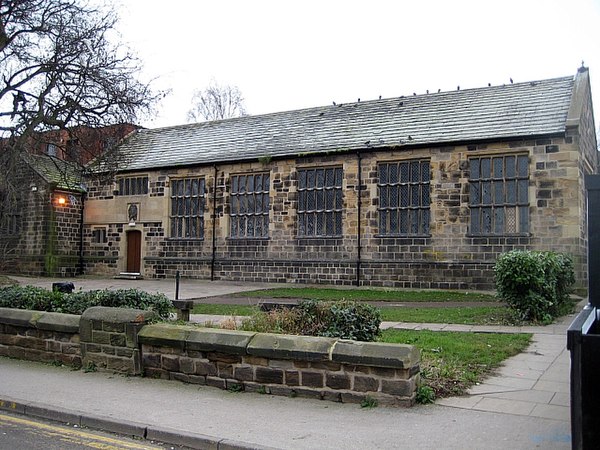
<point x="76" y="435"/>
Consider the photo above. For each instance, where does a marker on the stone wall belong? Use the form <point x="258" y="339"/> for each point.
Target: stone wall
<point x="109" y="338"/>
<point x="303" y="366"/>
<point x="121" y="341"/>
<point x="40" y="336"/>
<point x="48" y="241"/>
<point x="449" y="256"/>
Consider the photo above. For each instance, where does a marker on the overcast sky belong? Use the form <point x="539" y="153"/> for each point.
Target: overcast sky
<point x="287" y="54"/>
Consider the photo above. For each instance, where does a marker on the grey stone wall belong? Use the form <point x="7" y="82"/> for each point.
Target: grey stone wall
<point x="109" y="338"/>
<point x="121" y="340"/>
<point x="48" y="242"/>
<point x="313" y="367"/>
<point x="449" y="256"/>
<point x="40" y="336"/>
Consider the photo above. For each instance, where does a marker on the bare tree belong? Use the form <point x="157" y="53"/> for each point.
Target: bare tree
<point x="61" y="68"/>
<point x="216" y="102"/>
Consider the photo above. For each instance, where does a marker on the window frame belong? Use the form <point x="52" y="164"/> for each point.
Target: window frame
<point x="311" y="203"/>
<point x="129" y="186"/>
<point x="488" y="204"/>
<point x="400" y="219"/>
<point x="181" y="214"/>
<point x="11" y="225"/>
<point x="52" y="149"/>
<point x="240" y="201"/>
<point x="101" y="232"/>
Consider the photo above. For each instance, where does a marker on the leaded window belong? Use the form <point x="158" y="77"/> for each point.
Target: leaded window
<point x="133" y="186"/>
<point x="11" y="224"/>
<point x="249" y="205"/>
<point x="404" y="198"/>
<point x="320" y="202"/>
<point x="187" y="208"/>
<point x="499" y="195"/>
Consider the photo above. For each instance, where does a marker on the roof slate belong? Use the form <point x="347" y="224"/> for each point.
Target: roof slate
<point x="515" y="110"/>
<point x="65" y="175"/>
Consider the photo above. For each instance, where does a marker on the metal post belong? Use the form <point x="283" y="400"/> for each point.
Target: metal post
<point x="177" y="277"/>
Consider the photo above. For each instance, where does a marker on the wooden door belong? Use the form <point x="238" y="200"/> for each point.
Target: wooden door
<point x="134" y="251"/>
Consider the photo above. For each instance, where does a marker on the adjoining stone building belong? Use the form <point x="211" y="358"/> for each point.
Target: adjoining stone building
<point x="42" y="235"/>
<point x="420" y="191"/>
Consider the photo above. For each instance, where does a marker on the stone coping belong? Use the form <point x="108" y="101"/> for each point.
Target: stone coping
<point x="118" y="315"/>
<point x="42" y="320"/>
<point x="280" y="346"/>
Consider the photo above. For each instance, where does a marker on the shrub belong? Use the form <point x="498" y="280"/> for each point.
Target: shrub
<point x="28" y="297"/>
<point x="425" y="395"/>
<point x="536" y="285"/>
<point x="343" y="319"/>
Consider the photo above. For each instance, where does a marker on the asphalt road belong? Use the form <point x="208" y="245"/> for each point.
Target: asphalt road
<point x="26" y="433"/>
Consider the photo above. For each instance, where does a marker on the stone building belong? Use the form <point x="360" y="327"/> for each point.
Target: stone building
<point x="42" y="235"/>
<point x="41" y="211"/>
<point x="421" y="191"/>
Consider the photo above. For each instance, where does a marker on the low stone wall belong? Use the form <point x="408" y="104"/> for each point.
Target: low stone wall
<point x="304" y="366"/>
<point x="109" y="338"/>
<point x="121" y="340"/>
<point x="40" y="336"/>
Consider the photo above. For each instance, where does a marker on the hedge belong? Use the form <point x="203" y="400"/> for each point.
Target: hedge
<point x="535" y="284"/>
<point x="34" y="298"/>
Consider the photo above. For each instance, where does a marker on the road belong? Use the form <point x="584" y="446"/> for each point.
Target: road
<point x="26" y="433"/>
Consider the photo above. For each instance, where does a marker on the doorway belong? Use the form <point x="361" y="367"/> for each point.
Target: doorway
<point x="134" y="251"/>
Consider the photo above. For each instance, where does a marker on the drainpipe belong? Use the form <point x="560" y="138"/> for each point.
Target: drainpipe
<point x="358" y="229"/>
<point x="81" y="235"/>
<point x="214" y="228"/>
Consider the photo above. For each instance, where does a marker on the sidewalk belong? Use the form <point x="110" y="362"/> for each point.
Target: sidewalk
<point x="525" y="405"/>
<point x="534" y="383"/>
<point x="188" y="288"/>
<point x="199" y="416"/>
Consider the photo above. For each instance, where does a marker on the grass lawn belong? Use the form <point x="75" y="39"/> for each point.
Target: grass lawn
<point x="366" y="295"/>
<point x="477" y="315"/>
<point x="451" y="362"/>
<point x="462" y="315"/>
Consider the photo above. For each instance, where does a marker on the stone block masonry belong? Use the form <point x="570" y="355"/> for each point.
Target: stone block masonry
<point x="123" y="341"/>
<point x="40" y="336"/>
<point x="109" y="338"/>
<point x="304" y="366"/>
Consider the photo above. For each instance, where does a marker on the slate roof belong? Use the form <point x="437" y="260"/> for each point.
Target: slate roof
<point x="65" y="175"/>
<point x="510" y="111"/>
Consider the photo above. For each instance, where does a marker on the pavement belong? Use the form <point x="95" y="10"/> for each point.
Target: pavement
<point x="524" y="405"/>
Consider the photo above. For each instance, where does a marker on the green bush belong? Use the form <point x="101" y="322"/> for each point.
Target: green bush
<point x="342" y="319"/>
<point x="28" y="297"/>
<point x="536" y="285"/>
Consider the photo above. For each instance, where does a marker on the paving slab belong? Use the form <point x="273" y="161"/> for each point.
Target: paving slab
<point x="489" y="388"/>
<point x="552" y="386"/>
<point x="517" y="407"/>
<point x="561" y="399"/>
<point x="520" y="372"/>
<point x="511" y="382"/>
<point x="556" y="412"/>
<point x="541" y="397"/>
